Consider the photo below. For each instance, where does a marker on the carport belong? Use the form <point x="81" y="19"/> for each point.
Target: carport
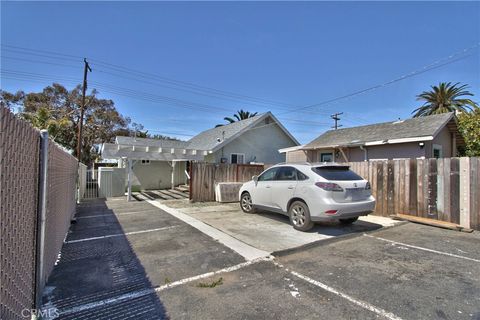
<point x="128" y="155"/>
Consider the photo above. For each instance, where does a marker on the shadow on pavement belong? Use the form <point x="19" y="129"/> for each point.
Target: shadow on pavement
<point x="98" y="269"/>
<point x="333" y="228"/>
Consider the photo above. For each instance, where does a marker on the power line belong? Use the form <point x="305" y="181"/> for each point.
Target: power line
<point x="143" y="95"/>
<point x="437" y="64"/>
<point x="126" y="70"/>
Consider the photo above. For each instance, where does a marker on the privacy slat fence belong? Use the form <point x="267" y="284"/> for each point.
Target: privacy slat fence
<point x="204" y="176"/>
<point x="442" y="189"/>
<point x="20" y="203"/>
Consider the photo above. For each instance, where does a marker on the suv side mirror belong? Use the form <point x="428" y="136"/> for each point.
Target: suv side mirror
<point x="255" y="178"/>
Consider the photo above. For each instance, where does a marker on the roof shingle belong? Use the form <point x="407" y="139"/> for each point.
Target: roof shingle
<point x="409" y="128"/>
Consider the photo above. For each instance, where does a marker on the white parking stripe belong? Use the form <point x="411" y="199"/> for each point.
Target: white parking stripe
<point x="114" y="215"/>
<point x="141" y="293"/>
<point x="421" y="248"/>
<point x="360" y="303"/>
<point x="363" y="304"/>
<point x="121" y="234"/>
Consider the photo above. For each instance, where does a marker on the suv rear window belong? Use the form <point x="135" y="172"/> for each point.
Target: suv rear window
<point x="337" y="173"/>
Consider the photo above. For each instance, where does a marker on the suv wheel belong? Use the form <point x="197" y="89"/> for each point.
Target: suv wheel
<point x="300" y="216"/>
<point x="348" y="221"/>
<point x="246" y="203"/>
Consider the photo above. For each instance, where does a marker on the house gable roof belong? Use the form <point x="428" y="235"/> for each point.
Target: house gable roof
<point x="215" y="138"/>
<point x="423" y="128"/>
<point x="211" y="139"/>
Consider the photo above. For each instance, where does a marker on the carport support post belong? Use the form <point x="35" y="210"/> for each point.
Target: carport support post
<point x="129" y="179"/>
<point x="173" y="174"/>
<point x="42" y="215"/>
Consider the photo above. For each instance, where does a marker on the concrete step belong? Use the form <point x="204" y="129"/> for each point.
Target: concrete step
<point x="183" y="188"/>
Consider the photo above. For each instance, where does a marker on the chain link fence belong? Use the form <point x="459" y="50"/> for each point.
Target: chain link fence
<point x="20" y="206"/>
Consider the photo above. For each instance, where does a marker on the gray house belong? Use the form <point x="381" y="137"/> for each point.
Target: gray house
<point x="160" y="164"/>
<point x="433" y="136"/>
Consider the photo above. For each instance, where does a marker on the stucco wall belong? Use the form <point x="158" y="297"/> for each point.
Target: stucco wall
<point x="444" y="138"/>
<point x="157" y="175"/>
<point x="259" y="144"/>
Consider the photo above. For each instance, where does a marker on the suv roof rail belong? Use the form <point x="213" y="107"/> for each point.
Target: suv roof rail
<point x="300" y="162"/>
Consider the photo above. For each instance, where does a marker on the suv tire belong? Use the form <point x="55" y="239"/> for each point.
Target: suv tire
<point x="300" y="216"/>
<point x="246" y="203"/>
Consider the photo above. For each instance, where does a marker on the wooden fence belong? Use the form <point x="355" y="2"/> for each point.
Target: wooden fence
<point x="204" y="176"/>
<point x="443" y="189"/>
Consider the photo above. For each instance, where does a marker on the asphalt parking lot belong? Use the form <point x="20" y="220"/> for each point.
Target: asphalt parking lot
<point x="135" y="261"/>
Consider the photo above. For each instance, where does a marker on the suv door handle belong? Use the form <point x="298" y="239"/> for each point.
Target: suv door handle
<point x="268" y="187"/>
<point x="290" y="187"/>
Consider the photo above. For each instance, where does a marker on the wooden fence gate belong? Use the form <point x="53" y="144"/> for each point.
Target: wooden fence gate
<point x="204" y="176"/>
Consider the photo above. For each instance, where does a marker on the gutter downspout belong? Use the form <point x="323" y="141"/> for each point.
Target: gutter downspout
<point x="365" y="157"/>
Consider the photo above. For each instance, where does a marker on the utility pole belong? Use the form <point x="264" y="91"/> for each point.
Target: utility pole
<point x="82" y="110"/>
<point x="336" y="118"/>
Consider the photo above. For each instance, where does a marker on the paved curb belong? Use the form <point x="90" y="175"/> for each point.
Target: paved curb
<point x="245" y="250"/>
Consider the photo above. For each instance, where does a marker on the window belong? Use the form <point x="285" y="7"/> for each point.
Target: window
<point x="437" y="151"/>
<point x="286" y="174"/>
<point x="145" y="161"/>
<point x="301" y="176"/>
<point x="268" y="175"/>
<point x="237" y="158"/>
<point x="326" y="157"/>
<point x="336" y="173"/>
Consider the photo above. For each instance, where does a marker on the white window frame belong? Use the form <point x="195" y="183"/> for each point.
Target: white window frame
<point x="238" y="154"/>
<point x="437" y="147"/>
<point x="145" y="162"/>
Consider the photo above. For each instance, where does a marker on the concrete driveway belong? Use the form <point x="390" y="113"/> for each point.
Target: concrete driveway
<point x="266" y="231"/>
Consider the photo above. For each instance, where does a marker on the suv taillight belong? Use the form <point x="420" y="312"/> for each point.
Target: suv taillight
<point x="367" y="186"/>
<point x="329" y="186"/>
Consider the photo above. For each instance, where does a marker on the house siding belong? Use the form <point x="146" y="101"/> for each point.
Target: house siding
<point x="260" y="144"/>
<point x="388" y="151"/>
<point x="157" y="175"/>
<point x="443" y="138"/>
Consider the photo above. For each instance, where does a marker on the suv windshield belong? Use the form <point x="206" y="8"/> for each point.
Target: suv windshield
<point x="337" y="173"/>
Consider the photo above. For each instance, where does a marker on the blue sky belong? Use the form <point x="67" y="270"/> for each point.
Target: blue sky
<point x="292" y="54"/>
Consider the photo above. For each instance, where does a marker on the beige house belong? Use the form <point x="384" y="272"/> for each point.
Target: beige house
<point x="162" y="164"/>
<point x="433" y="136"/>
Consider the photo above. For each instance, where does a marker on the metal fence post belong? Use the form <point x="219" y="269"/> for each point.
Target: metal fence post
<point x="41" y="217"/>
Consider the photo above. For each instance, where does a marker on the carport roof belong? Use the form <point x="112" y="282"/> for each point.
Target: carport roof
<point x="139" y="152"/>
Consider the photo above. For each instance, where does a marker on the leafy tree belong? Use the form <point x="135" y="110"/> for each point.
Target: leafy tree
<point x="11" y="100"/>
<point x="240" y="115"/>
<point x="43" y="119"/>
<point x="58" y="110"/>
<point x="446" y="97"/>
<point x="469" y="126"/>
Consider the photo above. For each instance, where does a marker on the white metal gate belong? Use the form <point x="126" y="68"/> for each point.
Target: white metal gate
<point x="91" y="187"/>
<point x="102" y="183"/>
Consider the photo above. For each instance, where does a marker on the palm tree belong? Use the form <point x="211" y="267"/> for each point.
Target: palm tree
<point x="446" y="97"/>
<point x="239" y="116"/>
